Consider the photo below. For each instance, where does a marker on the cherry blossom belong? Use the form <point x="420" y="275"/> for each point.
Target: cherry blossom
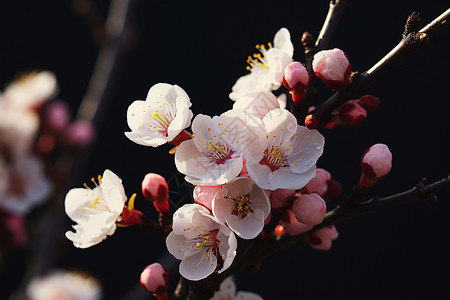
<point x="278" y="152"/>
<point x="267" y="67"/>
<point x="64" y="285"/>
<point x="95" y="210"/>
<point x="25" y="186"/>
<point x="227" y="291"/>
<point x="30" y="90"/>
<point x="200" y="242"/>
<point x="243" y="206"/>
<point x="212" y="156"/>
<point x="161" y="117"/>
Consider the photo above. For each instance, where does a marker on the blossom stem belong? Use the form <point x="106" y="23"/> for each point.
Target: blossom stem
<point x="409" y="42"/>
<point x="335" y="11"/>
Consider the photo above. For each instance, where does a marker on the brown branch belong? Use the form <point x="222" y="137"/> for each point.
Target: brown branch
<point x="360" y="82"/>
<point x="335" y="11"/>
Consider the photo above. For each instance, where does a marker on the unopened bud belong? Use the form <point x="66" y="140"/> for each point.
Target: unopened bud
<point x="296" y="78"/>
<point x="318" y="184"/>
<point x="79" y="134"/>
<point x="156" y="189"/>
<point x="155" y="280"/>
<point x="280" y="198"/>
<point x="56" y="116"/>
<point x="322" y="238"/>
<point x="369" y="102"/>
<point x="352" y="113"/>
<point x="309" y="209"/>
<point x="376" y="163"/>
<point x="311" y="122"/>
<point x="291" y="225"/>
<point x="333" y="67"/>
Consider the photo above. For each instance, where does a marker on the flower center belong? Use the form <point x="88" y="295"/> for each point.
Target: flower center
<point x="257" y="60"/>
<point x="242" y="206"/>
<point x="160" y="122"/>
<point x="95" y="199"/>
<point x="274" y="158"/>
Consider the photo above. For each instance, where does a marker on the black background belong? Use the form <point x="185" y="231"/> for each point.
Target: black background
<point x="401" y="253"/>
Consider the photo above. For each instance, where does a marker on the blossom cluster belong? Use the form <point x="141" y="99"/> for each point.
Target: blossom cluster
<point x="234" y="160"/>
<point x="253" y="167"/>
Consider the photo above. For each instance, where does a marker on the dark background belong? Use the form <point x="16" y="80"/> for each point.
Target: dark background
<point x="400" y="253"/>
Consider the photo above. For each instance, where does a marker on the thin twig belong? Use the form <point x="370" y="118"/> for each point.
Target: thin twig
<point x="404" y="47"/>
<point x="335" y="11"/>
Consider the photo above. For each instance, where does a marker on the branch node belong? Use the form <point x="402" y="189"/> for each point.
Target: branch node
<point x="412" y="24"/>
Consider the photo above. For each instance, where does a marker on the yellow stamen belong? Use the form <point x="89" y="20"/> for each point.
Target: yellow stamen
<point x="156" y="115"/>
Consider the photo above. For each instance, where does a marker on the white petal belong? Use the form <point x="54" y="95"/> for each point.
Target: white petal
<point x="161" y="90"/>
<point x="114" y="192"/>
<point x="282" y="40"/>
<point x="197" y="266"/>
<point x="249" y="227"/>
<point x="74" y="202"/>
<point x="257" y="104"/>
<point x="228" y="249"/>
<point x="284" y="178"/>
<point x="221" y="207"/>
<point x="260" y="200"/>
<point x="308" y="145"/>
<point x="135" y="115"/>
<point x="260" y="175"/>
<point x="277" y="61"/>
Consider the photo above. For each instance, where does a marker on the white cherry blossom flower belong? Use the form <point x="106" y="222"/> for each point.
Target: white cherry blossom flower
<point x="266" y="68"/>
<point x="227" y="291"/>
<point x="95" y="210"/>
<point x="243" y="206"/>
<point x="284" y="154"/>
<point x="25" y="186"/>
<point x="64" y="285"/>
<point x="161" y="117"/>
<point x="17" y="129"/>
<point x="212" y="156"/>
<point x="30" y="90"/>
<point x="200" y="242"/>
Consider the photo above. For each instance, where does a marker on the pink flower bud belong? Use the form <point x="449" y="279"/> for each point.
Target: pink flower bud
<point x="369" y="102"/>
<point x="309" y="209"/>
<point x="204" y="194"/>
<point x="333" y="67"/>
<point x="322" y="238"/>
<point x="296" y="77"/>
<point x="280" y="198"/>
<point x="79" y="134"/>
<point x="376" y="162"/>
<point x="56" y="116"/>
<point x="155" y="189"/>
<point x="351" y="113"/>
<point x="318" y="184"/>
<point x="291" y="225"/>
<point x="155" y="279"/>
